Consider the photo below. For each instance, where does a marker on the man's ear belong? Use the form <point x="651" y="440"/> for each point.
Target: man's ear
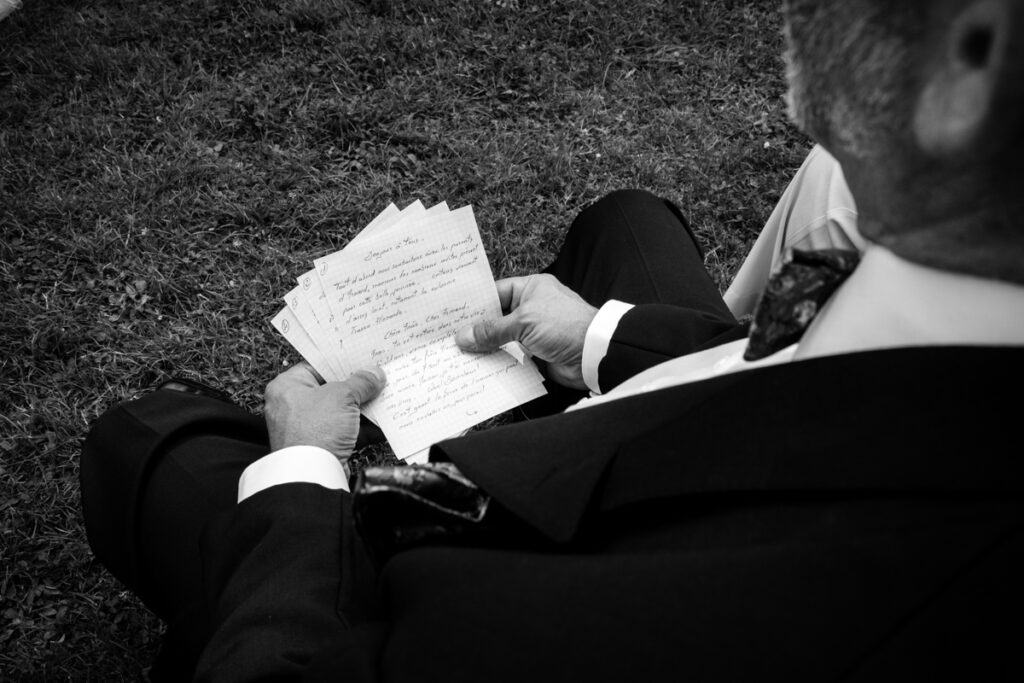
<point x="962" y="77"/>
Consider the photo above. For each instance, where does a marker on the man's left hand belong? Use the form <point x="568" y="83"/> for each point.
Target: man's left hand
<point x="546" y="317"/>
<point x="300" y="411"/>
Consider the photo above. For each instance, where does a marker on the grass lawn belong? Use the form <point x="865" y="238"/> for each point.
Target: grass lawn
<point x="166" y="169"/>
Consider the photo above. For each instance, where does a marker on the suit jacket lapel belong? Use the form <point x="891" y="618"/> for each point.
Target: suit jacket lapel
<point x="545" y="471"/>
<point x="901" y="420"/>
<point x="908" y="420"/>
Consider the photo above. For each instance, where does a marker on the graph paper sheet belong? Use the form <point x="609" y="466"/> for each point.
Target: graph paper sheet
<point x="292" y="329"/>
<point x="394" y="297"/>
<point x="438" y="390"/>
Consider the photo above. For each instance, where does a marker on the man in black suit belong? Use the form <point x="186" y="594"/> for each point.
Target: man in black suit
<point x="845" y="507"/>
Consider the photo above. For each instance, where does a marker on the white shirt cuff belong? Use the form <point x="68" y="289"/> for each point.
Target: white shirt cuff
<point x="599" y="335"/>
<point x="309" y="464"/>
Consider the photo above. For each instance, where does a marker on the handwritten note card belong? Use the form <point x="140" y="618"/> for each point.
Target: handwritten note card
<point x="394" y="297"/>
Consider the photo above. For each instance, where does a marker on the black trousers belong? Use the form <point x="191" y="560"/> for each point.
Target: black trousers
<point x="637" y="248"/>
<point x="156" y="469"/>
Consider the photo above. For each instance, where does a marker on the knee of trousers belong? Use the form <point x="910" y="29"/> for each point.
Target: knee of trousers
<point x="118" y="454"/>
<point x="111" y="470"/>
<point x="619" y="218"/>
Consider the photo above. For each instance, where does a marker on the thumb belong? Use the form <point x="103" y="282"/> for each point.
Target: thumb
<point x="364" y="385"/>
<point x="489" y="334"/>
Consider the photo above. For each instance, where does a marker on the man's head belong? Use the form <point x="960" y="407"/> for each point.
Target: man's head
<point x="922" y="102"/>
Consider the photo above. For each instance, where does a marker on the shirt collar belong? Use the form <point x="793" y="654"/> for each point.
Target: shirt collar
<point x="890" y="302"/>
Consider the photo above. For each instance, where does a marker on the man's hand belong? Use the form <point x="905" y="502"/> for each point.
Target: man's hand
<point x="546" y="317"/>
<point x="302" y="412"/>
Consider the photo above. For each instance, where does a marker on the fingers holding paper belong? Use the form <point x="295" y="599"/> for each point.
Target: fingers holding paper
<point x="546" y="317"/>
<point x="300" y="411"/>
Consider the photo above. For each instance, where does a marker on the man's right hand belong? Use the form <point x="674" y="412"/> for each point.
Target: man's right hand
<point x="546" y="317"/>
<point x="302" y="411"/>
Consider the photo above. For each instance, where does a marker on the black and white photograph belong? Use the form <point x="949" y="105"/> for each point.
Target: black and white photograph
<point x="514" y="341"/>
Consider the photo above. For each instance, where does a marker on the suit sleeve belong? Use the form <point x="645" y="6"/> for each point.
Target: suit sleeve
<point x="649" y="334"/>
<point x="274" y="581"/>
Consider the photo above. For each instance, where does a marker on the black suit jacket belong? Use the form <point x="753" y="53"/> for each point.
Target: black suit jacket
<point x="849" y="518"/>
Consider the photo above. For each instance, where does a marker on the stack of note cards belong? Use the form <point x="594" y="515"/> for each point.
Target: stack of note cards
<point x="394" y="297"/>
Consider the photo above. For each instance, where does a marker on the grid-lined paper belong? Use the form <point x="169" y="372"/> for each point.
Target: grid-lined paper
<point x="317" y="333"/>
<point x="436" y="391"/>
<point x="292" y="329"/>
<point x="394" y="297"/>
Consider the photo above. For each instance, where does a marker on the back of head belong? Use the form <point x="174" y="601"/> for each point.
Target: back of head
<point x="922" y="102"/>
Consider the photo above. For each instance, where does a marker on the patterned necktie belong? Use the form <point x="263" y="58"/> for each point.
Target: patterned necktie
<point x="794" y="295"/>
